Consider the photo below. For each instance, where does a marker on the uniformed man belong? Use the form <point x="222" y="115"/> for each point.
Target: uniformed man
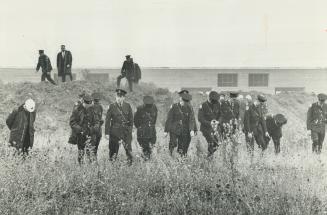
<point x="145" y="121"/>
<point x="86" y="125"/>
<point x="249" y="139"/>
<point x="208" y="116"/>
<point x="21" y="124"/>
<point x="316" y="120"/>
<point x="229" y="117"/>
<point x="99" y="111"/>
<point x="45" y="64"/>
<point x="127" y="72"/>
<point x="119" y="125"/>
<point x="180" y="124"/>
<point x="274" y="127"/>
<point x="255" y="124"/>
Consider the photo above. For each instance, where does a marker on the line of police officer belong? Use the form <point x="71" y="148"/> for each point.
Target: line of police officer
<point x="221" y="119"/>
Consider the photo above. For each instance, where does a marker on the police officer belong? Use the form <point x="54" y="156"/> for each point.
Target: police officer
<point x="229" y="117"/>
<point x="98" y="111"/>
<point x="45" y="64"/>
<point x="180" y="124"/>
<point x="145" y="120"/>
<point x="255" y="124"/>
<point x="127" y="71"/>
<point x="209" y="113"/>
<point x="274" y="125"/>
<point x="86" y="125"/>
<point x="119" y="125"/>
<point x="316" y="120"/>
<point x="249" y="139"/>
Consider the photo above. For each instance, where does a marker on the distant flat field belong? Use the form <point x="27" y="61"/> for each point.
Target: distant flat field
<point x="313" y="80"/>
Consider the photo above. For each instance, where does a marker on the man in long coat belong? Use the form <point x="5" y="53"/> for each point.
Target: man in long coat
<point x="64" y="64"/>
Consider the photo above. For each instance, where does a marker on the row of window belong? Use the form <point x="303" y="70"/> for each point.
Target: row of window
<point x="231" y="80"/>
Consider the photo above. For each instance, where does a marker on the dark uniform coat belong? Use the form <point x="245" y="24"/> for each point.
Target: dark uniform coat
<point x="273" y="129"/>
<point x="44" y="63"/>
<point x="206" y="114"/>
<point x="127" y="69"/>
<point x="62" y="63"/>
<point x="98" y="109"/>
<point x="20" y="125"/>
<point x="145" y="120"/>
<point x="229" y="110"/>
<point x="180" y="119"/>
<point x="119" y="120"/>
<point x="317" y="117"/>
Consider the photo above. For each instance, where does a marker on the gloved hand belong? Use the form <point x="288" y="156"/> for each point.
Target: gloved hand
<point x="192" y="133"/>
<point x="267" y="134"/>
<point x="250" y="135"/>
<point x="165" y="134"/>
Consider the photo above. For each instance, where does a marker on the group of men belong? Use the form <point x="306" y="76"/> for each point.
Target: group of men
<point x="222" y="117"/>
<point x="64" y="65"/>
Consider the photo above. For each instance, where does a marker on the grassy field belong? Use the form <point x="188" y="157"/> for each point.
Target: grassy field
<point x="51" y="182"/>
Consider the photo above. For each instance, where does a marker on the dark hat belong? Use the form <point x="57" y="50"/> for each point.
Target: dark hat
<point x="128" y="56"/>
<point x="121" y="92"/>
<point x="214" y="95"/>
<point x="96" y="96"/>
<point x="280" y="118"/>
<point x="41" y="51"/>
<point x="186" y="97"/>
<point x="148" y="100"/>
<point x="233" y="94"/>
<point x="87" y="98"/>
<point x="183" y="92"/>
<point x="261" y="98"/>
<point x="322" y="96"/>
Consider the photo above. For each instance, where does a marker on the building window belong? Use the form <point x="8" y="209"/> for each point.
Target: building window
<point x="258" y="80"/>
<point x="227" y="80"/>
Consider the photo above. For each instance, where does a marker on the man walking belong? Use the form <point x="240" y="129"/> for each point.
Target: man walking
<point x="316" y="120"/>
<point x="86" y="125"/>
<point x="208" y="115"/>
<point x="145" y="121"/>
<point x="127" y="71"/>
<point x="119" y="126"/>
<point x="64" y="64"/>
<point x="255" y="124"/>
<point x="180" y="124"/>
<point x="45" y="64"/>
<point x="21" y="124"/>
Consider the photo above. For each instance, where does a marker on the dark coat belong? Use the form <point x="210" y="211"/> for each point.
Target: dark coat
<point x="229" y="110"/>
<point x="145" y="119"/>
<point x="317" y="117"/>
<point x="119" y="120"/>
<point x="99" y="111"/>
<point x="44" y="63"/>
<point x="17" y="122"/>
<point x="85" y="120"/>
<point x="62" y="63"/>
<point x="128" y="69"/>
<point x="180" y="119"/>
<point x="254" y="120"/>
<point x="137" y="72"/>
<point x="206" y="114"/>
<point x="274" y="130"/>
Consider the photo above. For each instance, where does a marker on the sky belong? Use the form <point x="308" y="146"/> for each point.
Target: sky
<point x="166" y="33"/>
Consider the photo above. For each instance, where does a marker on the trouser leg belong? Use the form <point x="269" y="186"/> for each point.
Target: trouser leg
<point x="260" y="141"/>
<point x="119" y="79"/>
<point x="81" y="149"/>
<point x="130" y="84"/>
<point x="320" y="141"/>
<point x="70" y="76"/>
<point x="173" y="141"/>
<point x="113" y="147"/>
<point x="183" y="143"/>
<point x="277" y="145"/>
<point x="50" y="79"/>
<point x="212" y="143"/>
<point x="146" y="147"/>
<point x="127" y="143"/>
<point x="315" y="141"/>
<point x="249" y="144"/>
<point x="43" y="76"/>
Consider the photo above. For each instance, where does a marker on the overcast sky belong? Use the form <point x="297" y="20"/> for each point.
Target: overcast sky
<point x="175" y="33"/>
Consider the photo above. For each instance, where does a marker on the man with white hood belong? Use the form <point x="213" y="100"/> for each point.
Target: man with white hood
<point x="21" y="124"/>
